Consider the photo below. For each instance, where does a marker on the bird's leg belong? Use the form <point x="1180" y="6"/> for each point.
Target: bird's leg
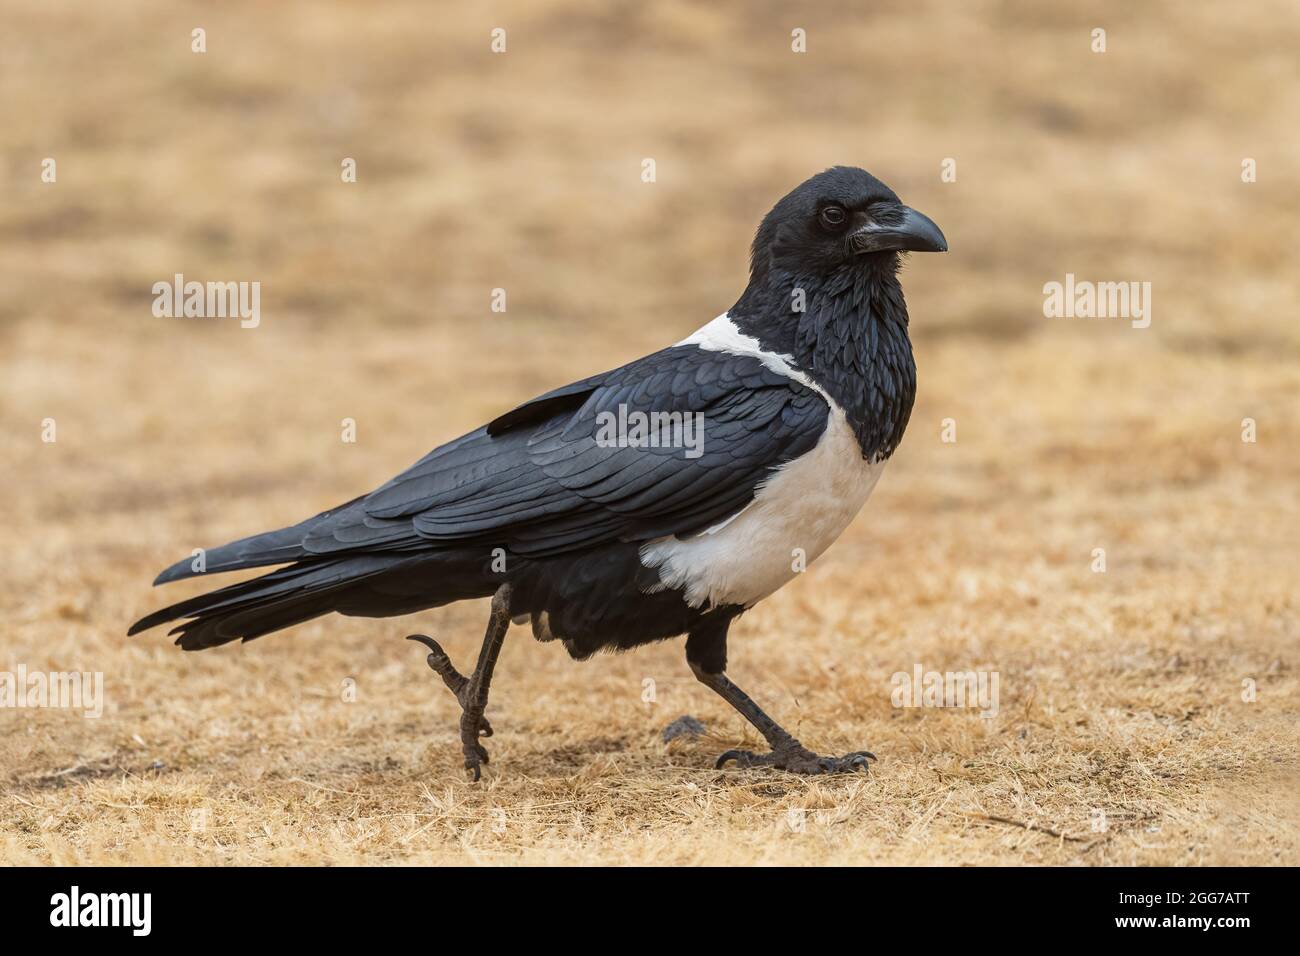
<point x="476" y="691"/>
<point x="472" y="691"/>
<point x="786" y="753"/>
<point x="456" y="682"/>
<point x="706" y="652"/>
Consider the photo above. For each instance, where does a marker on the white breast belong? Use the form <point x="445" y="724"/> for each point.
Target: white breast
<point x="795" y="516"/>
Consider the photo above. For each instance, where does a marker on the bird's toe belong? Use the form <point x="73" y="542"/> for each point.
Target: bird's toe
<point x="799" y="760"/>
<point x="743" y="758"/>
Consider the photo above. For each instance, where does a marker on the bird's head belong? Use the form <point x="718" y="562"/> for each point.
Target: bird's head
<point x="841" y="217"/>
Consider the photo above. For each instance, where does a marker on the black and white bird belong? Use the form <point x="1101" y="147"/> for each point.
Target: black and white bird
<point x="607" y="537"/>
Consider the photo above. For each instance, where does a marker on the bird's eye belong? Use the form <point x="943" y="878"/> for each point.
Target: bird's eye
<point x="832" y="217"/>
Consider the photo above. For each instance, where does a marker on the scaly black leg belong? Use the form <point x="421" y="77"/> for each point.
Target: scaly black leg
<point x="706" y="652"/>
<point x="472" y="692"/>
<point x="456" y="682"/>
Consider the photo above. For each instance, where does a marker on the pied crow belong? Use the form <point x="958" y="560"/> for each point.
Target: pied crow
<point x="665" y="497"/>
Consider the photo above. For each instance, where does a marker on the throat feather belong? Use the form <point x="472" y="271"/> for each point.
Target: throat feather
<point x="850" y="337"/>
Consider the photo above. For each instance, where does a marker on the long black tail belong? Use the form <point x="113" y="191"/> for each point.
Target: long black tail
<point x="356" y="585"/>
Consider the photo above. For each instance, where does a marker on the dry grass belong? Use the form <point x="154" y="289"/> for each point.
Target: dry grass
<point x="1121" y="691"/>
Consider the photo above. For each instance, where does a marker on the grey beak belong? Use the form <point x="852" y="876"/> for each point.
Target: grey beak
<point x="916" y="232"/>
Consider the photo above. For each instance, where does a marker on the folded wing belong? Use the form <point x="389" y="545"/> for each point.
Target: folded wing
<point x="546" y="478"/>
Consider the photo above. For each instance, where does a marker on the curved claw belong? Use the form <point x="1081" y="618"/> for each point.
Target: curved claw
<point x="441" y="665"/>
<point x="729" y="755"/>
<point x="437" y="660"/>
<point x="743" y="758"/>
<point x="427" y="641"/>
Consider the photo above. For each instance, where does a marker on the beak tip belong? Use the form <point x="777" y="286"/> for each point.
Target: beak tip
<point x="925" y="232"/>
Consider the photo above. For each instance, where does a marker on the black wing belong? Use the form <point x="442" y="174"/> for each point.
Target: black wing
<point x="544" y="478"/>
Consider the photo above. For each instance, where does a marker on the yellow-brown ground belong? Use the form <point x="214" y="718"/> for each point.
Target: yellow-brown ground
<point x="1121" y="692"/>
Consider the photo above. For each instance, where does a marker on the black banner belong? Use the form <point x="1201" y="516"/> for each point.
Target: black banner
<point x="336" y="905"/>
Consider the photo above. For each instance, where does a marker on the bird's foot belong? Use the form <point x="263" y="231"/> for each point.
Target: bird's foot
<point x="475" y="753"/>
<point x="458" y="684"/>
<point x="797" y="759"/>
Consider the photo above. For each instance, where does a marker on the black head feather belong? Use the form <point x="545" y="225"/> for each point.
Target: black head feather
<point x="824" y="291"/>
<point x="798" y="235"/>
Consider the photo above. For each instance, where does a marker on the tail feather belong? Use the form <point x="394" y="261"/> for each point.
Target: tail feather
<point x="359" y="585"/>
<point x="296" y="580"/>
<point x="206" y="631"/>
<point x="255" y="551"/>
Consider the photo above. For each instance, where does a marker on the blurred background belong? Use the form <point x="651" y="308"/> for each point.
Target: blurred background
<point x="522" y="170"/>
